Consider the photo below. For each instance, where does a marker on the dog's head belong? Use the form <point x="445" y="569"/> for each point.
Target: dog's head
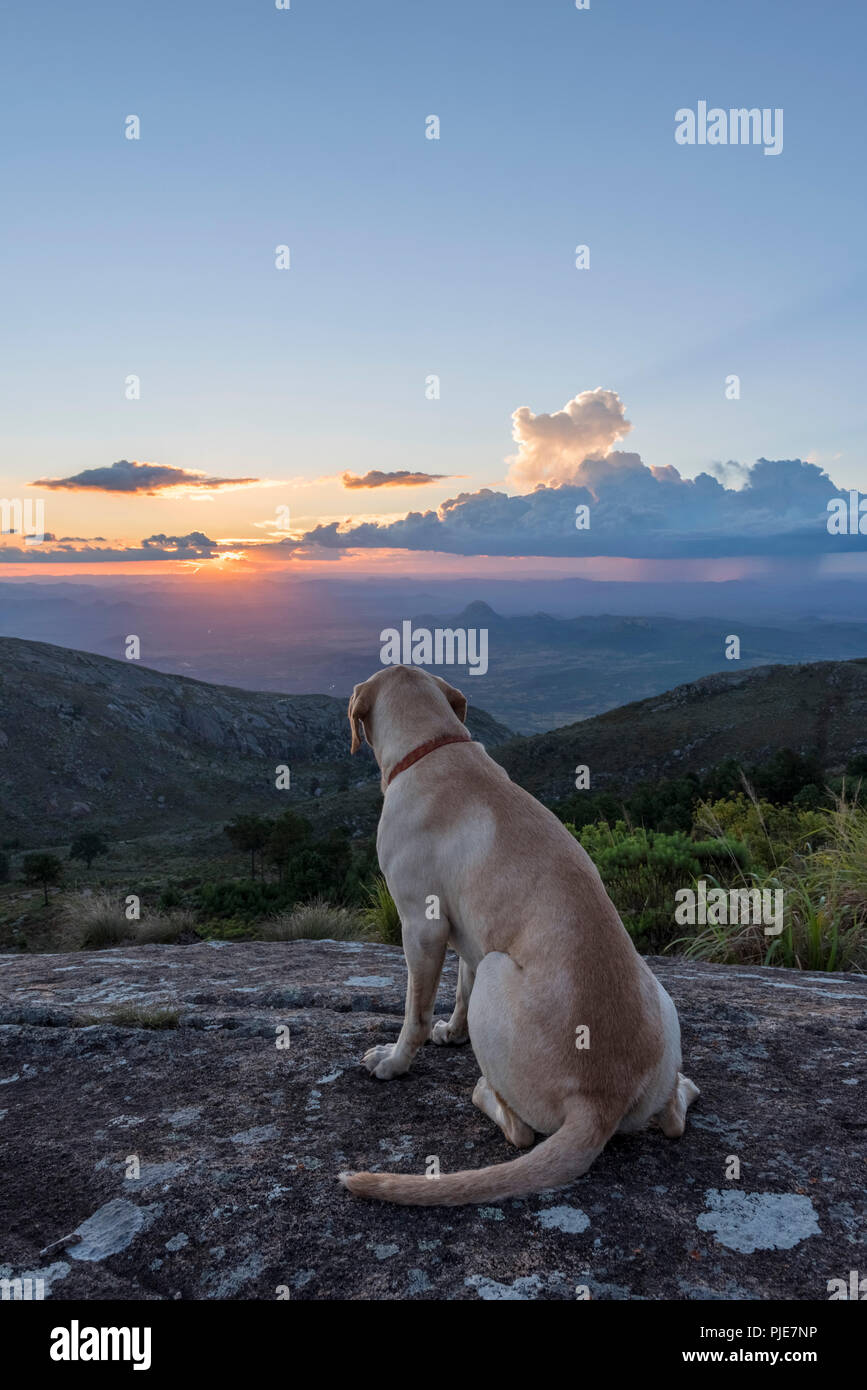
<point x="405" y="684"/>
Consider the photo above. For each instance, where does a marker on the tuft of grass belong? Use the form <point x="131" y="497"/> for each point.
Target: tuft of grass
<point x="98" y="921"/>
<point x="131" y="1016"/>
<point x="164" y="928"/>
<point x="128" y="1016"/>
<point x="381" y="917"/>
<point x="314" y="921"/>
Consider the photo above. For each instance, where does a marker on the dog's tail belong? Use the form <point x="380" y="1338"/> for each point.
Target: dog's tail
<point x="558" y="1160"/>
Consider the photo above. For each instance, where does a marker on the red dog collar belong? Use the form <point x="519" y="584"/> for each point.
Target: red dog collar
<point x="423" y="750"/>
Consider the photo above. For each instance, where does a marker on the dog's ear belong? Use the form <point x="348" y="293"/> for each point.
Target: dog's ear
<point x="457" y="701"/>
<point x="359" y="708"/>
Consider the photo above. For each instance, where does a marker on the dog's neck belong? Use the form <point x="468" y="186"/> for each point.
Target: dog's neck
<point x="400" y="732"/>
<point x="422" y="751"/>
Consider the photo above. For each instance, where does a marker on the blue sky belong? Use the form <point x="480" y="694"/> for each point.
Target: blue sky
<point x="411" y="256"/>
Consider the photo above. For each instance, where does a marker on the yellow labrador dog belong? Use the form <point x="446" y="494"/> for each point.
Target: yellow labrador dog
<point x="575" y="1038"/>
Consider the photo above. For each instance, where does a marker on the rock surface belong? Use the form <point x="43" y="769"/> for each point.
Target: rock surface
<point x="238" y="1142"/>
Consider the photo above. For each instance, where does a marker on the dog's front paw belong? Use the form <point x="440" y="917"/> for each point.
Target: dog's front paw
<point x="443" y="1032"/>
<point x="384" y="1061"/>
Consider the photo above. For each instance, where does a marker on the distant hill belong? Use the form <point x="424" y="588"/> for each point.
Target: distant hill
<point x="817" y="708"/>
<point x="87" y="740"/>
<point x="545" y="672"/>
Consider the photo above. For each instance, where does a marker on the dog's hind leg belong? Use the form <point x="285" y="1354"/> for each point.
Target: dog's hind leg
<point x="487" y="1100"/>
<point x="455" y="1030"/>
<point x="672" y="1117"/>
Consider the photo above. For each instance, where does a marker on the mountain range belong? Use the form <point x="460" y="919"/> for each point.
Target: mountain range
<point x="86" y="740"/>
<point x="547" y="667"/>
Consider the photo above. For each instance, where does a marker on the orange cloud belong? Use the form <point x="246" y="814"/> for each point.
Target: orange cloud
<point x="400" y="478"/>
<point x="552" y="448"/>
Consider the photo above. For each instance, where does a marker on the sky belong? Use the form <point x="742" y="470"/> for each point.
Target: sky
<point x="285" y="414"/>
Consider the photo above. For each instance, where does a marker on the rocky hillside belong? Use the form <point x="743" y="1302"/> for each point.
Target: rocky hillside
<point x="817" y="708"/>
<point x="88" y="740"/>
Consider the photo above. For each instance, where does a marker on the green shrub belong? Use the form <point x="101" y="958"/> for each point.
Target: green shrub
<point x="668" y="803"/>
<point x="244" y="899"/>
<point x="319" y="870"/>
<point x="825" y="904"/>
<point x="380" y="916"/>
<point x="587" y="808"/>
<point x="771" y="833"/>
<point x="227" y="929"/>
<point x="643" y="869"/>
<point x="784" y="775"/>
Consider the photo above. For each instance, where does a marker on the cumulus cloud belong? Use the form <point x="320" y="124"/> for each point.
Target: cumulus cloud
<point x="149" y="479"/>
<point x="553" y="448"/>
<point x="402" y="477"/>
<point x="778" y="510"/>
<point x="566" y="461"/>
<point x="734" y="474"/>
<point x="634" y="510"/>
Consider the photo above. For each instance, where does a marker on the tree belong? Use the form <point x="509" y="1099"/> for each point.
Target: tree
<point x="665" y="805"/>
<point x="42" y="869"/>
<point x="320" y="869"/>
<point x="288" y="834"/>
<point x="781" y="778"/>
<point x="249" y="833"/>
<point x="723" y="779"/>
<point x="89" y="845"/>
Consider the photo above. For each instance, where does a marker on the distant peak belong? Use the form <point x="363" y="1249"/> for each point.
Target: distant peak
<point x="478" y="611"/>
